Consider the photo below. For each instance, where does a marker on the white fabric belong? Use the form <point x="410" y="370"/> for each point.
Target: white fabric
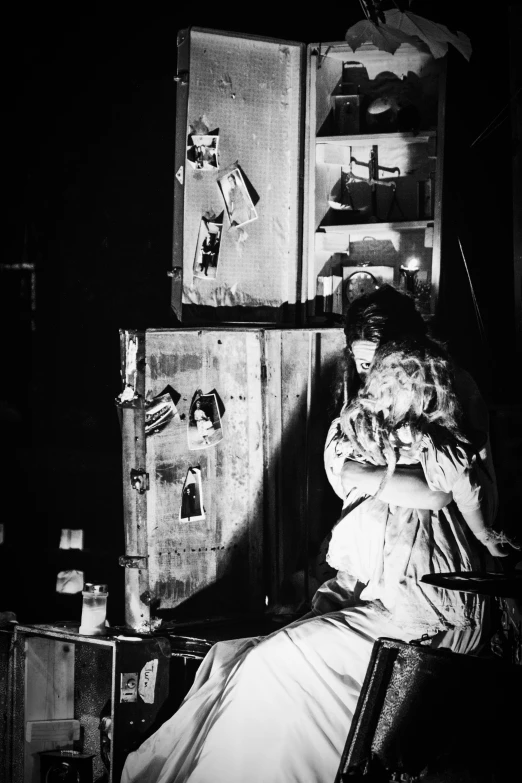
<point x="272" y="710"/>
<point x="278" y="709"/>
<point x="390" y="548"/>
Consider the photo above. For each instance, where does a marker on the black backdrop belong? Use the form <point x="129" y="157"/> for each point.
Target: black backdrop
<point x="89" y="190"/>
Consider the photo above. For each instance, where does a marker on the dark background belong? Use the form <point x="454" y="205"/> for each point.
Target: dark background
<point x="88" y="190"/>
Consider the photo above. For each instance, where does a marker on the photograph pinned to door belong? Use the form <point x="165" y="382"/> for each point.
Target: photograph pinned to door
<point x="238" y="200"/>
<point x="207" y="248"/>
<point x="192" y="509"/>
<point x="202" y="151"/>
<point x="204" y="424"/>
<point x="160" y="410"/>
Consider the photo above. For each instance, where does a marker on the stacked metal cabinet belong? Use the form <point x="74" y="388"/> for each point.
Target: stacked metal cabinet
<point x="340" y="158"/>
<point x="266" y="498"/>
<point x="342" y="153"/>
<point x="68" y="692"/>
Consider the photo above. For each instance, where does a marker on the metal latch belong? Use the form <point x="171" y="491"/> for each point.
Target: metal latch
<point x="139" y="480"/>
<point x="129" y="686"/>
<point x="133" y="561"/>
<point x="182" y="77"/>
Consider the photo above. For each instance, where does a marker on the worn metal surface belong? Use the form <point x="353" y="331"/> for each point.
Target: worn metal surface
<point x="137" y="611"/>
<point x="185" y="558"/>
<point x="6" y="667"/>
<point x="92" y="693"/>
<point x="251" y="89"/>
<point x="57" y="673"/>
<point x="435" y="715"/>
<point x="266" y="497"/>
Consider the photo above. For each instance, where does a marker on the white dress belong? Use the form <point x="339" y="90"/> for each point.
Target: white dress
<point x="278" y="709"/>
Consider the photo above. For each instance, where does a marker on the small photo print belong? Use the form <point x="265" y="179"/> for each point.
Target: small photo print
<point x="239" y="205"/>
<point x="159" y="411"/>
<point x="204" y="425"/>
<point x="192" y="509"/>
<point x="207" y="249"/>
<point x="202" y="152"/>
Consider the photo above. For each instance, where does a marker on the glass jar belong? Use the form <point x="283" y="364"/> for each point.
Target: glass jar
<point x="94" y="609"/>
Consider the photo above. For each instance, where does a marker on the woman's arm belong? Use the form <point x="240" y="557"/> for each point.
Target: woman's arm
<point x="406" y="487"/>
<point x="491" y="540"/>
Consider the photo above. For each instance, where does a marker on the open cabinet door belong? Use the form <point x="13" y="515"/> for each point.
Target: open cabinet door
<point x="238" y="175"/>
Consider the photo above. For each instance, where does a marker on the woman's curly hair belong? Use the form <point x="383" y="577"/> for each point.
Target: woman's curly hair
<point x="409" y="385"/>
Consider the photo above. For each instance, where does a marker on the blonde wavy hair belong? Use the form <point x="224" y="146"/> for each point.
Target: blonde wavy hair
<point x="409" y="389"/>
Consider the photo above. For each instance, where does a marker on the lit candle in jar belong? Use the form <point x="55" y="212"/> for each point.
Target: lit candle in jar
<point x="94" y="609"/>
<point x="410" y="272"/>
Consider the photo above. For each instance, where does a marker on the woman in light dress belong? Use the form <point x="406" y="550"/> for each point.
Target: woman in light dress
<point x="278" y="709"/>
<point x="203" y="423"/>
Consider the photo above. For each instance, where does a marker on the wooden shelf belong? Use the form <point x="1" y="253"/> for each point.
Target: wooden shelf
<point x="366" y="139"/>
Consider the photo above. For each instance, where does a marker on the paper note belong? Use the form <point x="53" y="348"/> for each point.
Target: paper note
<point x="52" y="730"/>
<point x="147" y="683"/>
<point x="71" y="539"/>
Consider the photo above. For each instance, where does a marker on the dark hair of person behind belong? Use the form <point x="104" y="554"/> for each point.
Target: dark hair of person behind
<point x="383" y="315"/>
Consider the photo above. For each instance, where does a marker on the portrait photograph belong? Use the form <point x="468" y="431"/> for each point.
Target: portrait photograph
<point x="207" y="249"/>
<point x="191" y="508"/>
<point x="238" y="203"/>
<point x="159" y="411"/>
<point x="204" y="424"/>
<point x="202" y="152"/>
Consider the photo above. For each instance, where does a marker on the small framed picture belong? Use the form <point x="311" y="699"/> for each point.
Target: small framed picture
<point x="239" y="205"/>
<point x="191" y="508"/>
<point x="202" y="151"/>
<point x="207" y="249"/>
<point x="204" y="424"/>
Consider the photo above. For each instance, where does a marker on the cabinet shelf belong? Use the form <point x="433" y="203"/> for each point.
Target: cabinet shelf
<point x="369" y="139"/>
<point x="399" y="225"/>
<point x="337" y="238"/>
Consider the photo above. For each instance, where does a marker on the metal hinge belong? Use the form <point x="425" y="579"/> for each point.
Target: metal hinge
<point x="181" y="77"/>
<point x="133" y="561"/>
<point x="139" y="480"/>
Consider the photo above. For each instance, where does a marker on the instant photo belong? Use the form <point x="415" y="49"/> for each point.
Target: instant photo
<point x="202" y="152"/>
<point x="238" y="203"/>
<point x="207" y="249"/>
<point x="192" y="509"/>
<point x="159" y="411"/>
<point x="204" y="425"/>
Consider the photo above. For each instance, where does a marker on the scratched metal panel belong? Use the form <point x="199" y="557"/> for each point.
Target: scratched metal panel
<point x="216" y="561"/>
<point x="92" y="693"/>
<point x="249" y="88"/>
<point x="6" y="641"/>
<point x="306" y="507"/>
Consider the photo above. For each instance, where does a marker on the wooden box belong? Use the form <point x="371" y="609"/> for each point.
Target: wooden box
<point x="341" y="156"/>
<point x="266" y="501"/>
